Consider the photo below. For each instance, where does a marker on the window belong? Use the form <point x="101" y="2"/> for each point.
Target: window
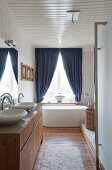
<point x="8" y="82"/>
<point x="59" y="84"/>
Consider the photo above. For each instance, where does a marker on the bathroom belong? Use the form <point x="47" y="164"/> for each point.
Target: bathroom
<point x="38" y="119"/>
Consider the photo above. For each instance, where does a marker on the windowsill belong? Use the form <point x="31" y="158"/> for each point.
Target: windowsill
<point x="64" y="102"/>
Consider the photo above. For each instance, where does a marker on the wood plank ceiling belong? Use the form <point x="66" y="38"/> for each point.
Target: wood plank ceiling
<point x="45" y="22"/>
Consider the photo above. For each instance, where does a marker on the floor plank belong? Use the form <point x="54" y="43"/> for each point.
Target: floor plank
<point x="67" y="137"/>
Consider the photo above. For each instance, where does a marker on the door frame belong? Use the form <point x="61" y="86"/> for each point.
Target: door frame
<point x="96" y="89"/>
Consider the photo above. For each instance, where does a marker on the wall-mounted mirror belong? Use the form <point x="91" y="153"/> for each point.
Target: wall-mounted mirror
<point x="8" y="70"/>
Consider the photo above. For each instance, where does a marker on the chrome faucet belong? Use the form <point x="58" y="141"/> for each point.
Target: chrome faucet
<point x="20" y="95"/>
<point x="3" y="103"/>
<point x="7" y="94"/>
<point x="88" y="97"/>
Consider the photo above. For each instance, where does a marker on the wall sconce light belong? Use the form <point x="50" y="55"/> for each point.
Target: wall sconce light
<point x="10" y="43"/>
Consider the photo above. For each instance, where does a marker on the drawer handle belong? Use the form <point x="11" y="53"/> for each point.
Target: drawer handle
<point x="99" y="144"/>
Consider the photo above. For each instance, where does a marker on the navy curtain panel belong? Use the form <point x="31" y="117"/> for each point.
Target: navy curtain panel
<point x="46" y="60"/>
<point x="3" y="59"/>
<point x="72" y="61"/>
<point x="14" y="60"/>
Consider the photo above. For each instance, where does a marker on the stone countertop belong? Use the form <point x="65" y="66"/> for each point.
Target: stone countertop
<point x="17" y="127"/>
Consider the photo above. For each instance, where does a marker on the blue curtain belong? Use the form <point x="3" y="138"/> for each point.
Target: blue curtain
<point x="46" y="60"/>
<point x="72" y="61"/>
<point x="14" y="60"/>
<point x="3" y="58"/>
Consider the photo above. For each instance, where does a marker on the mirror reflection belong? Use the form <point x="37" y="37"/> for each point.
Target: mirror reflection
<point x="9" y="71"/>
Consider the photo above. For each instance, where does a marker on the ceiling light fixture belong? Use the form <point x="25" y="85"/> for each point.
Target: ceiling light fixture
<point x="10" y="43"/>
<point x="72" y="15"/>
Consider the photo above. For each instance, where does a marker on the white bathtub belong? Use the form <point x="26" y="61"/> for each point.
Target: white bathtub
<point x="63" y="115"/>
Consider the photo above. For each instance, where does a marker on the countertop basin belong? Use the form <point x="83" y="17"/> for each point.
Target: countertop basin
<point x="59" y="98"/>
<point x="25" y="105"/>
<point x="11" y="116"/>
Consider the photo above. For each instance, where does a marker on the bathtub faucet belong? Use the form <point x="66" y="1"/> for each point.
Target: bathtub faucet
<point x="9" y="102"/>
<point x="20" y="96"/>
<point x="86" y="94"/>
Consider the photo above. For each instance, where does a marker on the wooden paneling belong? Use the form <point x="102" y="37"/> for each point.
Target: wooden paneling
<point x="44" y="21"/>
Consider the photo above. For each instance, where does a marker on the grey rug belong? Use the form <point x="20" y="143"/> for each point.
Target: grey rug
<point x="61" y="157"/>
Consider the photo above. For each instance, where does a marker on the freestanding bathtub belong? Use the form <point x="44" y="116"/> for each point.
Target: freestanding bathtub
<point x="63" y="115"/>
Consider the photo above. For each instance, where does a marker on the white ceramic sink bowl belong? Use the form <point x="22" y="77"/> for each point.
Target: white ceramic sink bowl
<point x="59" y="98"/>
<point x="25" y="105"/>
<point x="11" y="116"/>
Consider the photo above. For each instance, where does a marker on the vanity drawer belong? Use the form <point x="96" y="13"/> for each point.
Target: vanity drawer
<point x="37" y="117"/>
<point x="27" y="154"/>
<point x="26" y="132"/>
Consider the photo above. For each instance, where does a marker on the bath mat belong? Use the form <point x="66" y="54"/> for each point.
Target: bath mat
<point x="61" y="157"/>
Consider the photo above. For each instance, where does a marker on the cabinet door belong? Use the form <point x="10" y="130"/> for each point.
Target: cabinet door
<point x="36" y="139"/>
<point x="27" y="154"/>
<point x="24" y="135"/>
<point x="30" y="150"/>
<point x="38" y="136"/>
<point x="9" y="152"/>
<point x="40" y="130"/>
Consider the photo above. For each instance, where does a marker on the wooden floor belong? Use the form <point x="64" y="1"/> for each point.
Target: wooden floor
<point x="69" y="136"/>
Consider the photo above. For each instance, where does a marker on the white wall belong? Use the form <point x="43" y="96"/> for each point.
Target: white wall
<point x="88" y="74"/>
<point x="104" y="96"/>
<point x="9" y="29"/>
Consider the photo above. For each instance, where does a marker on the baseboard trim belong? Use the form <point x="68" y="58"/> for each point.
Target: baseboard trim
<point x="101" y="166"/>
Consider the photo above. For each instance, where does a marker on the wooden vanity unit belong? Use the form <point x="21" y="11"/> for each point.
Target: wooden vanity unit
<point x="20" y="142"/>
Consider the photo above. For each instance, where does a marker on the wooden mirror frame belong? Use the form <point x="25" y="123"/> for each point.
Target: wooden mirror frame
<point x="23" y="71"/>
<point x="28" y="73"/>
<point x="31" y="74"/>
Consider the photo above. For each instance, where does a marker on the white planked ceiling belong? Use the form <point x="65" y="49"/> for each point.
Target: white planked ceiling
<point x="45" y="22"/>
